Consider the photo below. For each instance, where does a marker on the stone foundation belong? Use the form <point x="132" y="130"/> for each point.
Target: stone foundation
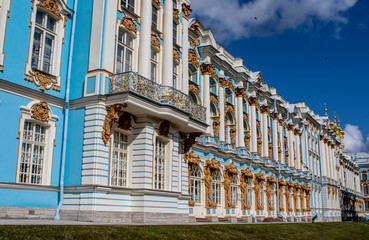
<point x="124" y="217"/>
<point x="27" y="213"/>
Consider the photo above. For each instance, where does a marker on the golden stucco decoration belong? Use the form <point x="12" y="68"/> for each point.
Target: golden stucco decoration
<point x="281" y="184"/>
<point x="193" y="58"/>
<point x="270" y="143"/>
<point x="42" y="80"/>
<point x="216" y="125"/>
<point x="41" y="111"/>
<point x="186" y="11"/>
<point x="190" y="141"/>
<point x="210" y="167"/>
<point x="111" y="117"/>
<point x="176" y="14"/>
<point x="176" y="55"/>
<point x="129" y="23"/>
<point x="286" y="151"/>
<point x="195" y="27"/>
<point x="269" y="182"/>
<point x="287" y="195"/>
<point x="253" y="101"/>
<point x="154" y="40"/>
<point x="232" y="133"/>
<point x="208" y="69"/>
<point x="157" y="2"/>
<point x="264" y="109"/>
<point x="229" y="171"/>
<point x="240" y="92"/>
<point x="244" y="176"/>
<point x="258" y="179"/>
<point x="259" y="137"/>
<point x="247" y="131"/>
<point x="195" y="43"/>
<point x="51" y="6"/>
<point x="279" y="147"/>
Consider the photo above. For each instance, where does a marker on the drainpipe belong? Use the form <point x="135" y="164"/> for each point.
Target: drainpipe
<point x="321" y="176"/>
<point x="66" y="115"/>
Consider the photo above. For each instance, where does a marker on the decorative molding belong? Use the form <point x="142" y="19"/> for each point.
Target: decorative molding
<point x="208" y="69"/>
<point x="157" y="2"/>
<point x="244" y="176"/>
<point x="269" y="181"/>
<point x="253" y="101"/>
<point x="270" y="143"/>
<point x="176" y="55"/>
<point x="186" y="11"/>
<point x="190" y="141"/>
<point x="195" y="43"/>
<point x="286" y="151"/>
<point x="229" y="171"/>
<point x="240" y="92"/>
<point x="233" y="132"/>
<point x="247" y="132"/>
<point x="164" y="128"/>
<point x="176" y="14"/>
<point x="51" y="6"/>
<point x="264" y="109"/>
<point x="193" y="58"/>
<point x="259" y="138"/>
<point x="195" y="27"/>
<point x="216" y="126"/>
<point x="258" y="179"/>
<point x="196" y="90"/>
<point x="210" y="167"/>
<point x="41" y="111"/>
<point x="281" y="183"/>
<point x="112" y="116"/>
<point x="154" y="40"/>
<point x="42" y="80"/>
<point x="129" y="23"/>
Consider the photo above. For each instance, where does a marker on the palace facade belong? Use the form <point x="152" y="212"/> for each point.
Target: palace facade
<point x="129" y="111"/>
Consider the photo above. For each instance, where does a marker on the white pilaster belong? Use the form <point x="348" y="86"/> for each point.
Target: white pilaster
<point x="144" y="65"/>
<point x="221" y="109"/>
<point x="206" y="100"/>
<point x="264" y="126"/>
<point x="254" y="137"/>
<point x="275" y="139"/>
<point x="168" y="44"/>
<point x="298" y="157"/>
<point x="240" y="130"/>
<point x="185" y="47"/>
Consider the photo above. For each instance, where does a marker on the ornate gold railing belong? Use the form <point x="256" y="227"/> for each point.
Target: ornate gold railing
<point x="132" y="82"/>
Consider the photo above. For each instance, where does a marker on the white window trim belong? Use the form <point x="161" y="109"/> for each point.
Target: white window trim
<point x="168" y="160"/>
<point x="135" y="10"/>
<point x="4" y="15"/>
<point x="200" y="186"/>
<point x="58" y="44"/>
<point x="50" y="136"/>
<point x="129" y="151"/>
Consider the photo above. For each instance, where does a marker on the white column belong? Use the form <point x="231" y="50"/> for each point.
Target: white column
<point x="264" y="126"/>
<point x="322" y="157"/>
<point x="240" y="130"/>
<point x="275" y="139"/>
<point x="206" y="98"/>
<point x="298" y="157"/>
<point x="144" y="65"/>
<point x="168" y="44"/>
<point x="290" y="147"/>
<point x="254" y="137"/>
<point x="221" y="109"/>
<point x="281" y="138"/>
<point x="185" y="47"/>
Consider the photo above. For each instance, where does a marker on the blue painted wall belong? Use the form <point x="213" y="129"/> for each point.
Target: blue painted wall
<point x="73" y="161"/>
<point x="16" y="198"/>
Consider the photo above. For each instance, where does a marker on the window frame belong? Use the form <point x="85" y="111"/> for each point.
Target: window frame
<point x="60" y="25"/>
<point x="195" y="185"/>
<point x="125" y="49"/>
<point x="168" y="146"/>
<point x="154" y="62"/>
<point x="4" y="15"/>
<point x="50" y="136"/>
<point x="216" y="195"/>
<point x="175" y="75"/>
<point x="127" y="5"/>
<point x="129" y="135"/>
<point x="234" y="190"/>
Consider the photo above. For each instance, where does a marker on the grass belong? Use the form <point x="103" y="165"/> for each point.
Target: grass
<point x="342" y="230"/>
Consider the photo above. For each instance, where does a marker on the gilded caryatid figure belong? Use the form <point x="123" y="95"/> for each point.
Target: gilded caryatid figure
<point x="111" y="117"/>
<point x="270" y="181"/>
<point x="233" y="132"/>
<point x="288" y="186"/>
<point x="281" y="184"/>
<point x="247" y="131"/>
<point x="270" y="143"/>
<point x="193" y="160"/>
<point x="229" y="171"/>
<point x="216" y="125"/>
<point x="279" y="147"/>
<point x="245" y="175"/>
<point x="258" y="179"/>
<point x="209" y="168"/>
<point x="295" y="188"/>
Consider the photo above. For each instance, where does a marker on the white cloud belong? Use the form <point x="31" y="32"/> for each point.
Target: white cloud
<point x="231" y="19"/>
<point x="354" y="141"/>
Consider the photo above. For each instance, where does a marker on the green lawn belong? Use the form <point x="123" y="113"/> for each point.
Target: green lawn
<point x="347" y="230"/>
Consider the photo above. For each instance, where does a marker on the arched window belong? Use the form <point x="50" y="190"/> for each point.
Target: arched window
<point x="195" y="184"/>
<point x="124" y="52"/>
<point x="229" y="95"/>
<point x="262" y="193"/>
<point x="245" y="106"/>
<point x="217" y="183"/>
<point x="119" y="159"/>
<point x="234" y="189"/>
<point x="213" y="86"/>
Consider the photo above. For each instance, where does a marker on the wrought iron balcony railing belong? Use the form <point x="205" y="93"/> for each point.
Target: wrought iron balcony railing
<point x="132" y="82"/>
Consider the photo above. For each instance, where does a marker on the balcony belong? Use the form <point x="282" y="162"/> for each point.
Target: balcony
<point x="164" y="95"/>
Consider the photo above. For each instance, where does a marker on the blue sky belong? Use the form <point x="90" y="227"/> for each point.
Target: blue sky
<point x="289" y="41"/>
